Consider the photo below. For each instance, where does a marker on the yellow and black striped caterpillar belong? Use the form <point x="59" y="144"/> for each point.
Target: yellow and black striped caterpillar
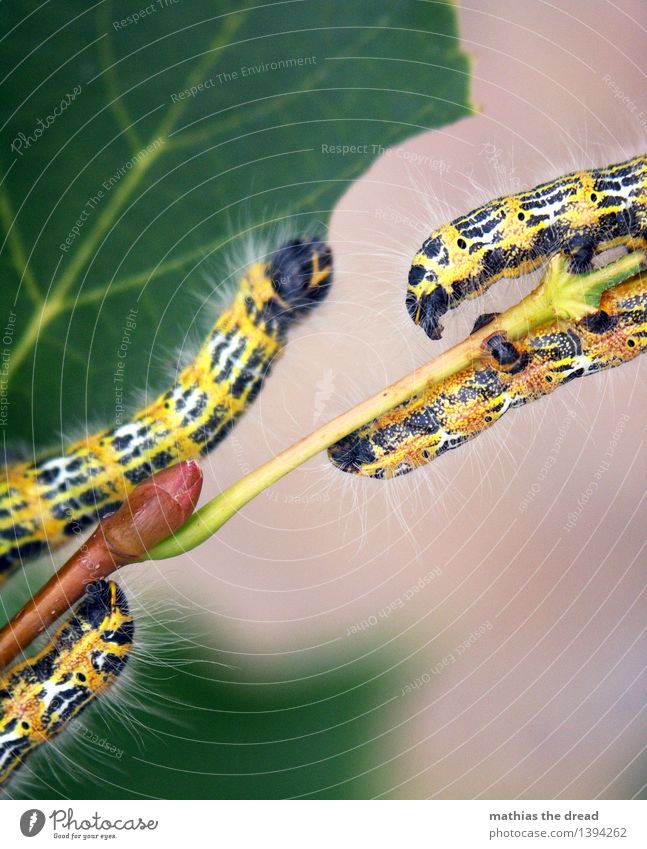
<point x="44" y="503"/>
<point x="39" y="697"/>
<point x="579" y="215"/>
<point x="464" y="405"/>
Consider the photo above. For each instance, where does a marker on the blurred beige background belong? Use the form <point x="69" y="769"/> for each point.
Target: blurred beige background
<point x="517" y="667"/>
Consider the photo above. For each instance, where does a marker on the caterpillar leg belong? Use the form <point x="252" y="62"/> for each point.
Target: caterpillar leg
<point x="456" y="410"/>
<point x="580" y="250"/>
<point x="483" y="320"/>
<point x="44" y="503"/>
<point x="39" y="697"/>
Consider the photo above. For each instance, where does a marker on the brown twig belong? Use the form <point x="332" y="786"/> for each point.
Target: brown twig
<point x="153" y="510"/>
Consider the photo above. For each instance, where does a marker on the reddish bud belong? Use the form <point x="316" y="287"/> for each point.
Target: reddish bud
<point x="154" y="509"/>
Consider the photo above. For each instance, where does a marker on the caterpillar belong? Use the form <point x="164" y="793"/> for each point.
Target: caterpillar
<point x="46" y="502"/>
<point x="40" y="696"/>
<point x="461" y="407"/>
<point x="580" y="215"/>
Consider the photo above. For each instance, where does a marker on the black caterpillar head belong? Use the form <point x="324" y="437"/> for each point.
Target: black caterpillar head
<point x="101" y="599"/>
<point x="301" y="274"/>
<point x="352" y="452"/>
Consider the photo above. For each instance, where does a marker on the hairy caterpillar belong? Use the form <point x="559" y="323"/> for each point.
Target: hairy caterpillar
<point x="580" y="214"/>
<point x="459" y="408"/>
<point x="43" y="503"/>
<point x="39" y="696"/>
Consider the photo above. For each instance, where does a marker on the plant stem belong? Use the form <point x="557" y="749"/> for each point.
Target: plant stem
<point x="561" y="295"/>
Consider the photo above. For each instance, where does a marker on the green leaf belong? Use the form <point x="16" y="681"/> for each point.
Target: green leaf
<point x="122" y="192"/>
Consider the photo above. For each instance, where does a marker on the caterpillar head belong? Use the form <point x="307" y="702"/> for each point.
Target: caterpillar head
<point x="354" y="453"/>
<point x="301" y="274"/>
<point x="443" y="271"/>
<point x="285" y="287"/>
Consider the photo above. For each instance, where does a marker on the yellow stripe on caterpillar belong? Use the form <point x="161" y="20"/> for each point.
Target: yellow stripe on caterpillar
<point x="44" y="503"/>
<point x="579" y="214"/>
<point x="459" y="408"/>
<point x="40" y="696"/>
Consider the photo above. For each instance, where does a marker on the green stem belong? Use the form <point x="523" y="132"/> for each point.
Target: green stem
<point x="560" y="295"/>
